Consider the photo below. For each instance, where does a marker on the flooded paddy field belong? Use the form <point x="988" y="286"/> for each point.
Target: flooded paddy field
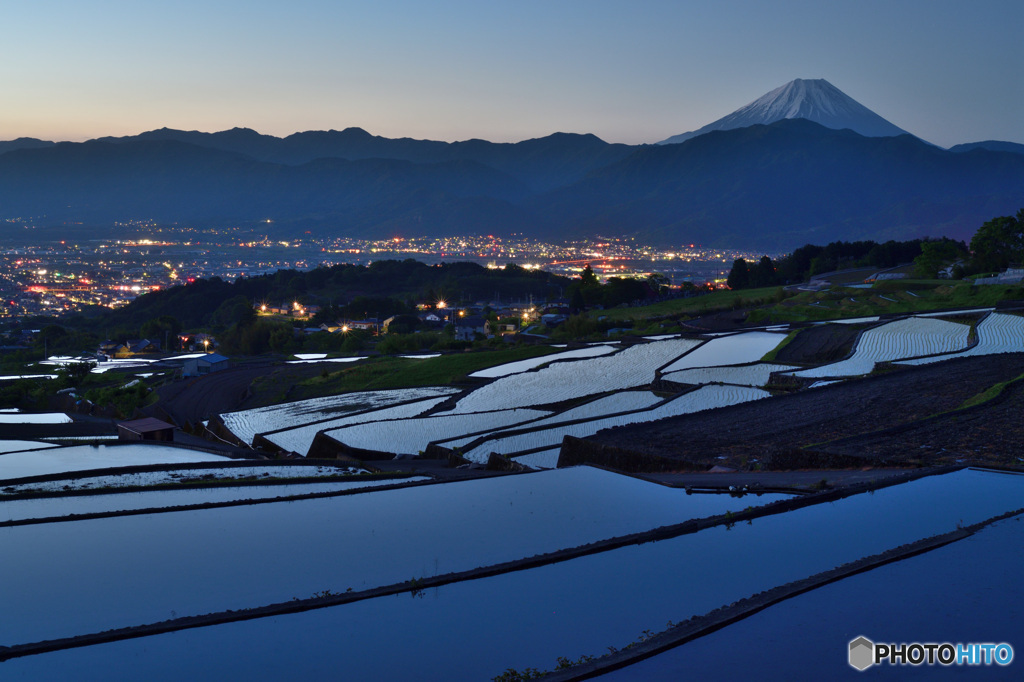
<point x="967" y="591"/>
<point x="528" y="618"/>
<point x="144" y="568"/>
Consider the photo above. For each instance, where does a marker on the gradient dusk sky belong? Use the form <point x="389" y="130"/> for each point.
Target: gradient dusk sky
<point x="631" y="71"/>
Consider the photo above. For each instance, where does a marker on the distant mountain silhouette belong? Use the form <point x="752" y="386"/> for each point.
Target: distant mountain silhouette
<point x="541" y="164"/>
<point x="789" y="183"/>
<point x="815" y="100"/>
<point x="770" y="186"/>
<point x="175" y="181"/>
<point x="990" y="145"/>
<point x="23" y="143"/>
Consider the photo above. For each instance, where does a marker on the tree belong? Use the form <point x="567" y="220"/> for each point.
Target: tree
<point x="658" y="282"/>
<point x="763" y="274"/>
<point x="998" y="242"/>
<point x="588" y="277"/>
<point x="576" y="327"/>
<point x="73" y="374"/>
<point x="234" y="311"/>
<point x="739" y="276"/>
<point x="934" y="255"/>
<point x="576" y="302"/>
<point x="161" y="328"/>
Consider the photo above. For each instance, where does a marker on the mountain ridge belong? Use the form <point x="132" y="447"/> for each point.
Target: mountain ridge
<point x="791" y="182"/>
<point x="542" y="163"/>
<point x="815" y="100"/>
<point x="764" y="186"/>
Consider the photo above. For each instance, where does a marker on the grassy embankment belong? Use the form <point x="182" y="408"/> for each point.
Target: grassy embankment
<point x="394" y="372"/>
<point x="717" y="301"/>
<point x="774" y="352"/>
<point x="885" y="298"/>
<point x="990" y="393"/>
<point x="771" y="305"/>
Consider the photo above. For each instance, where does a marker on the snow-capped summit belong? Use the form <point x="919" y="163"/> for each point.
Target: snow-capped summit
<point x="816" y="100"/>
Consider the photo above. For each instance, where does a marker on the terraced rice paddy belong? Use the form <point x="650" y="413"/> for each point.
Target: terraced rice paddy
<point x="543" y="459"/>
<point x="17" y="445"/>
<point x="411" y="436"/>
<point x="624" y="401"/>
<point x="908" y="338"/>
<point x="245" y="424"/>
<point x="146" y="568"/>
<point x="746" y="375"/>
<point x="735" y="349"/>
<point x="704" y="398"/>
<point x="53" y="508"/>
<point x="83" y="457"/>
<point x="997" y="333"/>
<point x="629" y="368"/>
<point x="300" y="438"/>
<point x="577" y="607"/>
<point x="528" y="364"/>
<point x="177" y="476"/>
<point x="34" y="418"/>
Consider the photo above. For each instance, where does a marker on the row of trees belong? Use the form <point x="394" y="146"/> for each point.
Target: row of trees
<point x="997" y="244"/>
<point x="588" y="292"/>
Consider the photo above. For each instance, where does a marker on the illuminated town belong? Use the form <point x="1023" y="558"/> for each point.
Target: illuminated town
<point x="62" y="277"/>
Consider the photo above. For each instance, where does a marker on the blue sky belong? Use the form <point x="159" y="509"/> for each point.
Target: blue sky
<point x="637" y="71"/>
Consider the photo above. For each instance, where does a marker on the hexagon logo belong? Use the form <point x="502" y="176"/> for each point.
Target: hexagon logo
<point x="862" y="653"/>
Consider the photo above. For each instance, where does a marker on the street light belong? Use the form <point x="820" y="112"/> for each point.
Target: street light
<point x="206" y="345"/>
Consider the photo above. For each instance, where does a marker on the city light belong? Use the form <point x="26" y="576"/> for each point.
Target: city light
<point x="54" y="278"/>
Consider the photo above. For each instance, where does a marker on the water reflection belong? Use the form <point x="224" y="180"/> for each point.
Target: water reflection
<point x="137" y="569"/>
<point x="477" y="629"/>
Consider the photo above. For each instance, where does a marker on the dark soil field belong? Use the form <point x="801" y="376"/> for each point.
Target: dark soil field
<point x="820" y="344"/>
<point x="196" y="399"/>
<point x="888" y="418"/>
<point x="992" y="432"/>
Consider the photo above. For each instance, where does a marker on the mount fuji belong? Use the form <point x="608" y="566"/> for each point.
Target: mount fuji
<point x="816" y="100"/>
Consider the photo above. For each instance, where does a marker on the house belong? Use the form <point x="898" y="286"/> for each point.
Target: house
<point x="149" y="428"/>
<point x="467" y="328"/>
<point x="369" y="324"/>
<point x="137" y="346"/>
<point x="202" y="342"/>
<point x="121" y="351"/>
<point x="204" y="364"/>
<point x="553" y="319"/>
